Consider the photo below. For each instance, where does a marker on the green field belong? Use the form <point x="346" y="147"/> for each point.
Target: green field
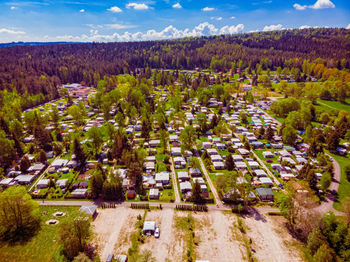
<point x="330" y="106"/>
<point x="344" y="187"/>
<point x="42" y="247"/>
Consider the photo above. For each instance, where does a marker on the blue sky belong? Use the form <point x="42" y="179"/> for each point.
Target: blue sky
<point x="120" y="20"/>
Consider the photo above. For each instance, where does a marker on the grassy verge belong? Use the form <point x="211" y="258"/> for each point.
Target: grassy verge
<point x="186" y="225"/>
<point x="45" y="245"/>
<point x="334" y="105"/>
<point x="137" y="238"/>
<point x="344" y="186"/>
<point x="247" y="241"/>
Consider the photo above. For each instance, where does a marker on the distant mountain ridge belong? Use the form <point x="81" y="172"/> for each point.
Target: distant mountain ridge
<point x="37" y="43"/>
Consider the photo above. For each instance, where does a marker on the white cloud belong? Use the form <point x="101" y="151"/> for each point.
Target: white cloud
<point x="13" y="7"/>
<point x="115" y="9"/>
<point x="304" y="27"/>
<point x="231" y="29"/>
<point x="320" y="4"/>
<point x="170" y="32"/>
<point x="273" y="27"/>
<point x="348" y="27"/>
<point x="299" y="7"/>
<point x="11" y="32"/>
<point x="232" y="17"/>
<point x="208" y="9"/>
<point x="177" y="5"/>
<point x="216" y="18"/>
<point x="137" y="6"/>
<point x="82" y="10"/>
<point x="118" y="26"/>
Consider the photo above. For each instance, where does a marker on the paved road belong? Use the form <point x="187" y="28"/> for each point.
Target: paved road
<point x="266" y="168"/>
<point x="173" y="176"/>
<point x="262" y="210"/>
<point x="327" y="204"/>
<point x="212" y="187"/>
<point x="41" y="176"/>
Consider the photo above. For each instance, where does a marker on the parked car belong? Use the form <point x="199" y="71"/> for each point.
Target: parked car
<point x="109" y="258"/>
<point x="269" y="161"/>
<point x="156" y="233"/>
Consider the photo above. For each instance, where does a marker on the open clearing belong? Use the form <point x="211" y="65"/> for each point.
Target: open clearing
<point x="214" y="232"/>
<point x="170" y="245"/>
<point x="112" y="228"/>
<point x="271" y="241"/>
<point x="217" y="237"/>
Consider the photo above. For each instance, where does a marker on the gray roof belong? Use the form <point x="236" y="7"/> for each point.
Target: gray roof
<point x="264" y="191"/>
<point x="90" y="210"/>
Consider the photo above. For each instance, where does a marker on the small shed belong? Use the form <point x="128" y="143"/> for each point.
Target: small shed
<point x="89" y="210"/>
<point x="149" y="227"/>
<point x="43" y="183"/>
<point x="265" y="194"/>
<point x="154" y="193"/>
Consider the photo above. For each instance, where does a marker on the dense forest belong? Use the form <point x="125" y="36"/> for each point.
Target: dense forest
<point x="34" y="70"/>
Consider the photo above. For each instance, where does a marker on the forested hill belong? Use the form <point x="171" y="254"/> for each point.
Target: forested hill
<point x="39" y="69"/>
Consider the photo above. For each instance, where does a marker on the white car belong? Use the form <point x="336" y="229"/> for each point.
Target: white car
<point x="157" y="233"/>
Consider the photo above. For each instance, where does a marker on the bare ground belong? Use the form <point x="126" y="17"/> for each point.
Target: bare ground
<point x="109" y="230"/>
<point x="216" y="236"/>
<point x="170" y="245"/>
<point x="271" y="240"/>
<point x="216" y="239"/>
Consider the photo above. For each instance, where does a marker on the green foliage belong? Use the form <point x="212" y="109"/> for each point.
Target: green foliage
<point x="282" y="107"/>
<point x="347" y="172"/>
<point x="315" y="240"/>
<point x="324" y="254"/>
<point x="196" y="196"/>
<point x="289" y="135"/>
<point x="19" y="215"/>
<point x="229" y="163"/>
<point x="97" y="181"/>
<point x="7" y="150"/>
<point x="326" y="181"/>
<point x="74" y="235"/>
<point x="188" y="138"/>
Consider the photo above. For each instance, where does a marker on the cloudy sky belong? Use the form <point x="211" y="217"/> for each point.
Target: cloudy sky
<point x="120" y="20"/>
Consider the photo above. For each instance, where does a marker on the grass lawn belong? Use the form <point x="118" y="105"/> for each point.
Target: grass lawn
<point x="344" y="187"/>
<point x="334" y="105"/>
<point x="42" y="247"/>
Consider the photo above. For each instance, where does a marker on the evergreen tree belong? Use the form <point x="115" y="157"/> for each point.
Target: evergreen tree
<point x="268" y="135"/>
<point x="79" y="152"/>
<point x="24" y="164"/>
<point x="333" y="141"/>
<point x="197" y="193"/>
<point x="229" y="163"/>
<point x="42" y="157"/>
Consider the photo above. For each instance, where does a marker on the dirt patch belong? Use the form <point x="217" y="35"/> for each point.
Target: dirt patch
<point x="59" y="214"/>
<point x="52" y="222"/>
<point x="267" y="244"/>
<point x="169" y="246"/>
<point x="123" y="242"/>
<point x="84" y="177"/>
<point x="216" y="241"/>
<point x="107" y="228"/>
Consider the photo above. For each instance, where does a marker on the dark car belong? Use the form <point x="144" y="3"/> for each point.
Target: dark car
<point x="281" y="186"/>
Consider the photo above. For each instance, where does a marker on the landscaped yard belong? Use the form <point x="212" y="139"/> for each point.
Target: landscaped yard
<point x="344" y="187"/>
<point x="42" y="247"/>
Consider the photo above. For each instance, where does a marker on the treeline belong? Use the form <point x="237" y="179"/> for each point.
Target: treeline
<point x="40" y="69"/>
